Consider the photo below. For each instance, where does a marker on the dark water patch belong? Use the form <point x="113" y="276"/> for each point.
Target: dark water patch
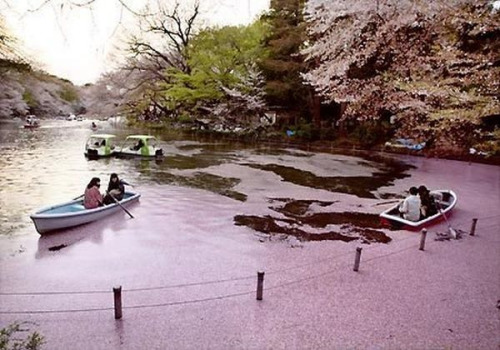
<point x="197" y="161"/>
<point x="368" y="235"/>
<point x="268" y="151"/>
<point x="268" y="225"/>
<point x="200" y="180"/>
<point x="57" y="247"/>
<point x="297" y="207"/>
<point x="391" y="195"/>
<point x="360" y="186"/>
<point x="217" y="184"/>
<point x="289" y="227"/>
<point x="299" y="210"/>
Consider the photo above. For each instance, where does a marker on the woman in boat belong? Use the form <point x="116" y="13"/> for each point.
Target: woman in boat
<point x="428" y="205"/>
<point x="116" y="189"/>
<point x="410" y="209"/>
<point x="92" y="197"/>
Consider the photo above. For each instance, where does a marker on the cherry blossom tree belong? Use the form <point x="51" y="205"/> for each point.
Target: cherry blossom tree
<point x="428" y="66"/>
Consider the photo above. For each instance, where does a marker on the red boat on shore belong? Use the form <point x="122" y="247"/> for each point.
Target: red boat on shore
<point x="445" y="199"/>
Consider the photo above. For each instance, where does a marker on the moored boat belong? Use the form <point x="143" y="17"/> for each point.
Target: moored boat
<point x="73" y="213"/>
<point x="100" y="145"/>
<point x="141" y="146"/>
<point x="445" y="199"/>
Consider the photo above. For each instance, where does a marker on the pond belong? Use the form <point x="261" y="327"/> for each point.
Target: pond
<point x="280" y="191"/>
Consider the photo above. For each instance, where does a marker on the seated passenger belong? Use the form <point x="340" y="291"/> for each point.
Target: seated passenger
<point x="410" y="208"/>
<point x="428" y="205"/>
<point x="92" y="197"/>
<point x="139" y="145"/>
<point x="116" y="189"/>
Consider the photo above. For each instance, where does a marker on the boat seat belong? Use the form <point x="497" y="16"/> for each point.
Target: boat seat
<point x="77" y="207"/>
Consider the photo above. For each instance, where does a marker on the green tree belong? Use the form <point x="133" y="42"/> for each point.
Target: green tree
<point x="284" y="63"/>
<point x="9" y="338"/>
<point x="221" y="60"/>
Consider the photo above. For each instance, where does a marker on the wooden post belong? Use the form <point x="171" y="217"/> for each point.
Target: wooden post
<point x="422" y="239"/>
<point x="117" y="292"/>
<point x="260" y="284"/>
<point x="473" y="227"/>
<point x="357" y="259"/>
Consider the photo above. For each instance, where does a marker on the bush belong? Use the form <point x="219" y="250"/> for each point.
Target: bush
<point x="370" y="133"/>
<point x="9" y="341"/>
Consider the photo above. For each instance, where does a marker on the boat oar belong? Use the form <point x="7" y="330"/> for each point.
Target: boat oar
<point x="384" y="203"/>
<point x="80" y="196"/>
<point x="121" y="206"/>
<point x="450" y="229"/>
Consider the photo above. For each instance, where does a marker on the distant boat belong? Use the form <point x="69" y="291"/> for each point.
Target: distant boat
<point x="31" y="122"/>
<point x="139" y="146"/>
<point x="32" y="126"/>
<point x="100" y="145"/>
<point x="446" y="199"/>
<point x="73" y="213"/>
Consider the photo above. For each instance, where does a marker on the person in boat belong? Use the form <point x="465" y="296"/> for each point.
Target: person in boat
<point x="94" y="126"/>
<point x="428" y="205"/>
<point x="116" y="189"/>
<point x="410" y="208"/>
<point x="93" y="197"/>
<point x="139" y="145"/>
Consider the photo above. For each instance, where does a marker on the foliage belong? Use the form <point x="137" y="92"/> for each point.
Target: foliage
<point x="9" y="341"/>
<point x="223" y="68"/>
<point x="68" y="93"/>
<point x="283" y="64"/>
<point x="29" y="99"/>
<point x="428" y="66"/>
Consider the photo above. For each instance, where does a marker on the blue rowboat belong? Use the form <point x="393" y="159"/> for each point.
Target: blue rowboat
<point x="73" y="213"/>
<point x="445" y="199"/>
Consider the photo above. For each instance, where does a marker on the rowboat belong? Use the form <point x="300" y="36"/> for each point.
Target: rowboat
<point x="100" y="145"/>
<point x="445" y="199"/>
<point x="139" y="146"/>
<point x="32" y="126"/>
<point x="72" y="213"/>
<point x="31" y="122"/>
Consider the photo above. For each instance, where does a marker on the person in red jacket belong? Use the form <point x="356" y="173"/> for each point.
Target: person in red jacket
<point x="93" y="198"/>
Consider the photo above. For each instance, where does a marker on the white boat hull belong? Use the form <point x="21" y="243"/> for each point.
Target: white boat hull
<point x="392" y="217"/>
<point x="72" y="214"/>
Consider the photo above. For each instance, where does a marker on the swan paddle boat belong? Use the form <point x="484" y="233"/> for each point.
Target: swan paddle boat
<point x="140" y="146"/>
<point x="445" y="199"/>
<point x="100" y="145"/>
<point x="73" y="213"/>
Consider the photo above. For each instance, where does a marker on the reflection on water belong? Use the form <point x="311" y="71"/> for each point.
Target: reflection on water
<point x="46" y="166"/>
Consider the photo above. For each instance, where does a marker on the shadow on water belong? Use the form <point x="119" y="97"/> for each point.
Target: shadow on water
<point x="58" y="241"/>
<point x="361" y="186"/>
<point x="353" y="226"/>
<point x="217" y="184"/>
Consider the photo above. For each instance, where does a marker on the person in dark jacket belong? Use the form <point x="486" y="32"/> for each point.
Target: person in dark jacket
<point x="116" y="189"/>
<point x="428" y="205"/>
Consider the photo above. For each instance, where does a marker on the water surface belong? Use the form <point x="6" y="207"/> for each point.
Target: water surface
<point x="44" y="166"/>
